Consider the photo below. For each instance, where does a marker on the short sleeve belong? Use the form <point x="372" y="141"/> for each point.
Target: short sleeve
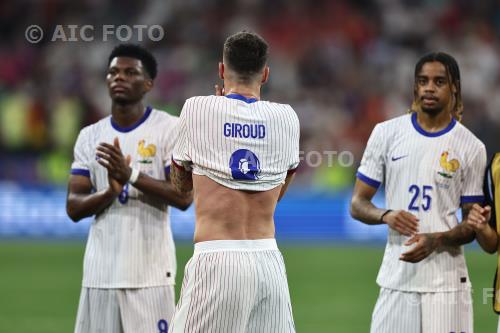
<point x="295" y="148"/>
<point x="371" y="169"/>
<point x="169" y="139"/>
<point x="81" y="158"/>
<point x="473" y="178"/>
<point x="181" y="154"/>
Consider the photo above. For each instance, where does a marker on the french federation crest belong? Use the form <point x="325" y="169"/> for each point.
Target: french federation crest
<point x="146" y="152"/>
<point x="449" y="167"/>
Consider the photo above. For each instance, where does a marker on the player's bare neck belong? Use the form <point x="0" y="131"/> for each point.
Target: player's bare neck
<point x="249" y="91"/>
<point x="434" y="122"/>
<point x="126" y="115"/>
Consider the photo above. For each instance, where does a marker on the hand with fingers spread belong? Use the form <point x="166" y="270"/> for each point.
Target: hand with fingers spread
<point x="479" y="217"/>
<point x="111" y="157"/>
<point x="425" y="245"/>
<point x="403" y="222"/>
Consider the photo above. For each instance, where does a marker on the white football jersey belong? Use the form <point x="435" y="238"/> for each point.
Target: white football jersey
<point x="130" y="244"/>
<point x="429" y="175"/>
<point x="241" y="143"/>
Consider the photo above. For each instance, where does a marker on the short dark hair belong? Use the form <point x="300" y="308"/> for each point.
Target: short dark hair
<point x="245" y="53"/>
<point x="453" y="73"/>
<point x="137" y="52"/>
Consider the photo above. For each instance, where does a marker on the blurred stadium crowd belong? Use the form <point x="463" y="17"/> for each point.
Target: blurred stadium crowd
<point x="343" y="66"/>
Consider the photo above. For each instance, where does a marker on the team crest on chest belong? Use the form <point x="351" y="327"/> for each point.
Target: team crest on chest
<point x="449" y="166"/>
<point x="146" y="152"/>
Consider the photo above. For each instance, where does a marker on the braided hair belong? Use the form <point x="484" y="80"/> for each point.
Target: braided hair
<point x="453" y="73"/>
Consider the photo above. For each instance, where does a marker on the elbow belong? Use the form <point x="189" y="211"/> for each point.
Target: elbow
<point x="183" y="200"/>
<point x="184" y="205"/>
<point x="72" y="213"/>
<point x="353" y="208"/>
<point x="186" y="201"/>
<point x="75" y="218"/>
<point x="491" y="250"/>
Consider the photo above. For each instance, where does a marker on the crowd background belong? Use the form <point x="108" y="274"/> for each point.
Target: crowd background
<point x="343" y="66"/>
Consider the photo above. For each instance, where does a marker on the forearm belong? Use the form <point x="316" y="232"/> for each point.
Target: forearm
<point x="457" y="236"/>
<point x="80" y="205"/>
<point x="164" y="190"/>
<point x="487" y="239"/>
<point x="365" y="211"/>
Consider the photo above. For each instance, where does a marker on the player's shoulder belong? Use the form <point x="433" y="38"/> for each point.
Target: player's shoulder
<point x="97" y="127"/>
<point x="212" y="102"/>
<point x="392" y="127"/>
<point x="198" y="104"/>
<point x="163" y="117"/>
<point x="279" y="108"/>
<point x="395" y="123"/>
<point x="466" y="136"/>
<point x="201" y="100"/>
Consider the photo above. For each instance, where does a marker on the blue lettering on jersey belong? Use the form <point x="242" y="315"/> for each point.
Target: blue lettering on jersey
<point x="244" y="165"/>
<point x="236" y="130"/>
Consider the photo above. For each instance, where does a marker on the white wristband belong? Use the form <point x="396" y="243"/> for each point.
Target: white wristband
<point x="134" y="175"/>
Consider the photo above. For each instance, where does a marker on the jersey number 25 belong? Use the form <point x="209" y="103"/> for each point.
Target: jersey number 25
<point x="426" y="198"/>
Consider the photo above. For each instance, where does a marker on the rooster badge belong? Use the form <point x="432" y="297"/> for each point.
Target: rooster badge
<point x="146" y="151"/>
<point x="449" y="166"/>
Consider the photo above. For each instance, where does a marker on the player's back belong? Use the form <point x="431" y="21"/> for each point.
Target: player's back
<point x="225" y="213"/>
<point x="241" y="150"/>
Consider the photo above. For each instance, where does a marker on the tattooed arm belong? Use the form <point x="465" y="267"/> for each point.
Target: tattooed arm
<point x="182" y="180"/>
<point x="427" y="243"/>
<point x="462" y="233"/>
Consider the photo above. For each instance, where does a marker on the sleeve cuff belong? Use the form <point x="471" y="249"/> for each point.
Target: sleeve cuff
<point x="471" y="198"/>
<point x="369" y="181"/>
<point x="80" y="172"/>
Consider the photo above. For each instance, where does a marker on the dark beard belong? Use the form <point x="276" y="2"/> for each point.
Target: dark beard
<point x="433" y="112"/>
<point x="123" y="101"/>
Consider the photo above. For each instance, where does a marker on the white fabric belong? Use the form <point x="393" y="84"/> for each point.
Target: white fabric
<point x="241" y="145"/>
<point x="125" y="310"/>
<point x="410" y="164"/>
<point x="233" y="288"/>
<point x="410" y="312"/>
<point x="130" y="244"/>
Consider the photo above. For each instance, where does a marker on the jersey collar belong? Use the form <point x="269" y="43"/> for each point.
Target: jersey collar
<point x="134" y="126"/>
<point x="431" y="134"/>
<point x="242" y="98"/>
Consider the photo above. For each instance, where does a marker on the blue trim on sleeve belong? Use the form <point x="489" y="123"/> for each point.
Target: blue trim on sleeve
<point x="431" y="134"/>
<point x="471" y="198"/>
<point x="134" y="126"/>
<point x="242" y="98"/>
<point x="167" y="170"/>
<point x="368" y="180"/>
<point x="80" y="172"/>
